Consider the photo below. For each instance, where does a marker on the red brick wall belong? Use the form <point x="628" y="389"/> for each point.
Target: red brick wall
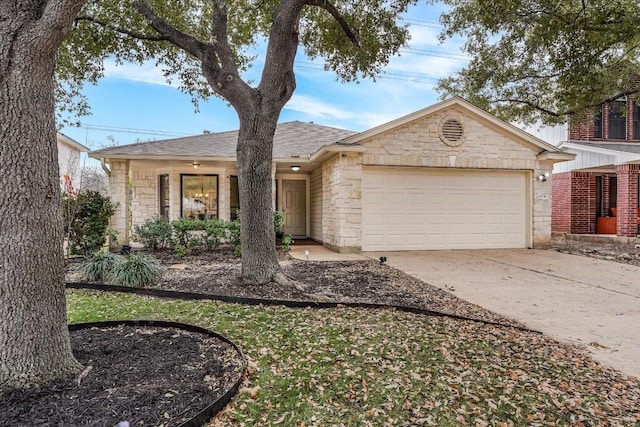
<point x="583" y="130"/>
<point x="627" y="199"/>
<point x="583" y="203"/>
<point x="561" y="202"/>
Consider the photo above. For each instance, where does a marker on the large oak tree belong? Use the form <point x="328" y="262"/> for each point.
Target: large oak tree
<point x="208" y="44"/>
<point x="34" y="340"/>
<point x="548" y="59"/>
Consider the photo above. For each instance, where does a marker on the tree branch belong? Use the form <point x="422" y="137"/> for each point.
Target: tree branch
<point x="135" y="35"/>
<point x="579" y="109"/>
<point x="184" y="41"/>
<point x="329" y="7"/>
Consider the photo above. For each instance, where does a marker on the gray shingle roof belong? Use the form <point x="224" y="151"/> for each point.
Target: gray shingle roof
<point x="291" y="139"/>
<point x="628" y="147"/>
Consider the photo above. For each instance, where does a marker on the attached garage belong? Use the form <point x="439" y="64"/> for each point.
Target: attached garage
<point x="425" y="208"/>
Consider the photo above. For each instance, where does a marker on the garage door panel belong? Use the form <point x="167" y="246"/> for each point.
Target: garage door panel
<point x="412" y="209"/>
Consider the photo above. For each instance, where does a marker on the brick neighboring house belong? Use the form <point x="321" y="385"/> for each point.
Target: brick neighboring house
<point x="450" y="176"/>
<point x="597" y="192"/>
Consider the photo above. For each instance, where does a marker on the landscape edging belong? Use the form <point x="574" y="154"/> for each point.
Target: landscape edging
<point x="206" y="414"/>
<point x="163" y="293"/>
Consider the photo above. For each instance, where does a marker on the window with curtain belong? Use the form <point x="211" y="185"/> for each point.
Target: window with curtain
<point x="199" y="195"/>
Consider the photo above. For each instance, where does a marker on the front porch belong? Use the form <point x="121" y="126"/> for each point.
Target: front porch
<point x="597" y="192"/>
<point x="603" y="201"/>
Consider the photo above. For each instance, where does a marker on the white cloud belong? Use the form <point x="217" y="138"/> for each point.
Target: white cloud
<point x="423" y="36"/>
<point x="317" y="108"/>
<point x="147" y="73"/>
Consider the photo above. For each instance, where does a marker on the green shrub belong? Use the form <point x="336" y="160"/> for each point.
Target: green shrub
<point x="180" y="251"/>
<point x="216" y="231"/>
<point x="86" y="218"/>
<point x="278" y="221"/>
<point x="183" y="232"/>
<point x="135" y="271"/>
<point x="98" y="267"/>
<point x="286" y="243"/>
<point x="155" y="233"/>
<point x="234" y="236"/>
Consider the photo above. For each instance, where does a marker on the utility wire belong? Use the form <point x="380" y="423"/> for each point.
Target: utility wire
<point x="132" y="130"/>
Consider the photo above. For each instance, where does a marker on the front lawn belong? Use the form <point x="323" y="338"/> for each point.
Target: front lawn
<point x="357" y="367"/>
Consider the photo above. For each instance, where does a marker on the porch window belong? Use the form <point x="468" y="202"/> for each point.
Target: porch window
<point x="618" y="120"/>
<point x="234" y="198"/>
<point x="636" y="120"/>
<point x="597" y="123"/>
<point x="199" y="196"/>
<point x="163" y="196"/>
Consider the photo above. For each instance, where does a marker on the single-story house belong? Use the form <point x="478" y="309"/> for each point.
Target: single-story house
<point x="69" y="159"/>
<point x="450" y="176"/>
<point x="597" y="192"/>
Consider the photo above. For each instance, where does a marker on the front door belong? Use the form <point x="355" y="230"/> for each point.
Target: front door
<point x="294" y="207"/>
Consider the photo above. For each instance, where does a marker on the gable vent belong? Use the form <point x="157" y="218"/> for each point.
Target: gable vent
<point x="451" y="132"/>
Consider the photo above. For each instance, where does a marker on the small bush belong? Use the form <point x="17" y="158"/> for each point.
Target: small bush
<point x="180" y="251"/>
<point x="278" y="221"/>
<point x="234" y="236"/>
<point x="286" y="243"/>
<point x="98" y="267"/>
<point x="136" y="271"/>
<point x="183" y="229"/>
<point x="86" y="218"/>
<point x="215" y="232"/>
<point x="155" y="233"/>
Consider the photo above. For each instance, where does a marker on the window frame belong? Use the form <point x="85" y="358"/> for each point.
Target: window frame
<point x="618" y="116"/>
<point x="217" y="197"/>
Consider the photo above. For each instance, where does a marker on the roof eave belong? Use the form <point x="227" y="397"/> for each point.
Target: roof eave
<point x="555" y="156"/>
<point x="72" y="142"/>
<point x="330" y="150"/>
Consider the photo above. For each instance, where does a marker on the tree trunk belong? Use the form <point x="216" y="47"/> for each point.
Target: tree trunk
<point x="34" y="340"/>
<point x="255" y="147"/>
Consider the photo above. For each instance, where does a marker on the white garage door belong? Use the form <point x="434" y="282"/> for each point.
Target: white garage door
<point x="422" y="209"/>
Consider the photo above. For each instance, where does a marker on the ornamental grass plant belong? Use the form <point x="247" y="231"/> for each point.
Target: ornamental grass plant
<point x="135" y="271"/>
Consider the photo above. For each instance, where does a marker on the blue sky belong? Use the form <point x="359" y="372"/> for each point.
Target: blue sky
<point x="135" y="103"/>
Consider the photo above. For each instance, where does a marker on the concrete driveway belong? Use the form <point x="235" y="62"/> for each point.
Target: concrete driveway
<point x="575" y="299"/>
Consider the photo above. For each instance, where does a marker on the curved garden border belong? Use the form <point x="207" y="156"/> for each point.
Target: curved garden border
<point x="210" y="411"/>
<point x="162" y="293"/>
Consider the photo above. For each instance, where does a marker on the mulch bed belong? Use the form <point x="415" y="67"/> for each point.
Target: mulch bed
<point x="148" y="376"/>
<point x="368" y="282"/>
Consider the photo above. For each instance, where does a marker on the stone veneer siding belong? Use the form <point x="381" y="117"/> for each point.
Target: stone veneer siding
<point x="316" y="204"/>
<point x="417" y="144"/>
<point x="118" y="192"/>
<point x="144" y="199"/>
<point x="342" y="202"/>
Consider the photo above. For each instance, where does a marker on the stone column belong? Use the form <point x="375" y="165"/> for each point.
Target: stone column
<point x="119" y="194"/>
<point x="627" y="224"/>
<point x="542" y="190"/>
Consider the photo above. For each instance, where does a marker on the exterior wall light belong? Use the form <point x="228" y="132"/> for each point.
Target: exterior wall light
<point x="295" y="168"/>
<point x="196" y="165"/>
<point x="543" y="176"/>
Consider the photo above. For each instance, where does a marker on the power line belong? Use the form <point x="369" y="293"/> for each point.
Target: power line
<point x="383" y="75"/>
<point x="151" y="132"/>
<point x="425" y="52"/>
